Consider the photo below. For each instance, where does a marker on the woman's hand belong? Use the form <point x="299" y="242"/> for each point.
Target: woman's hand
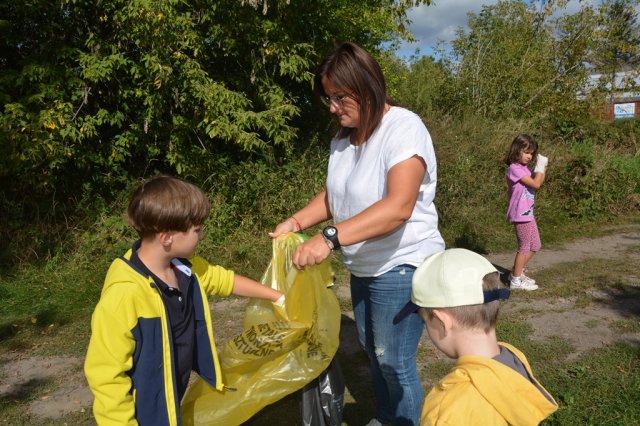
<point x="288" y="225"/>
<point x="311" y="252"/>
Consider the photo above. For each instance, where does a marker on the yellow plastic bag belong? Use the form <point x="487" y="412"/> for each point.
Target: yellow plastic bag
<point x="279" y="350"/>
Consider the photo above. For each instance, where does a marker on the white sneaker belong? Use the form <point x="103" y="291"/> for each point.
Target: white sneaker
<point x="523" y="277"/>
<point x="526" y="278"/>
<point x="522" y="284"/>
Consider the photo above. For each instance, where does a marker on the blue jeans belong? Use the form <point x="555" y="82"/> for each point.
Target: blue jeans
<point x="391" y="348"/>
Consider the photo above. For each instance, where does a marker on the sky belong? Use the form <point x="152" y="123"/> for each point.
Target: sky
<point x="440" y="21"/>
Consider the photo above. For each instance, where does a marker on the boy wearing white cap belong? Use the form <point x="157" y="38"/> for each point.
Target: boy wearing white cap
<point x="457" y="294"/>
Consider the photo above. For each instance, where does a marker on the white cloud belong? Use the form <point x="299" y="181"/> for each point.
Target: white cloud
<point x="440" y="21"/>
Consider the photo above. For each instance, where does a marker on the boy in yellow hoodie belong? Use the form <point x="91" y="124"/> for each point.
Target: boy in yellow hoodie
<point x="152" y="325"/>
<point x="457" y="294"/>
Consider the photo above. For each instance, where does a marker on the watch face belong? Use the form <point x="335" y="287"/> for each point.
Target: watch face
<point x="330" y="231"/>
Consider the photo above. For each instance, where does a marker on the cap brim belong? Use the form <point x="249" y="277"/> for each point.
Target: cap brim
<point x="409" y="308"/>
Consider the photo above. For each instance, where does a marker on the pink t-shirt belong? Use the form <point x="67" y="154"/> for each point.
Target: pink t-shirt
<point x="520" y="196"/>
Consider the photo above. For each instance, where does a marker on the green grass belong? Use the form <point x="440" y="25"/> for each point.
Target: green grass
<point x="574" y="280"/>
<point x="626" y="326"/>
<point x="602" y="388"/>
<point x="435" y="370"/>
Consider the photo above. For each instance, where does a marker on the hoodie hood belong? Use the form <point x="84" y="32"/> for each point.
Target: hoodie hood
<point x="483" y="385"/>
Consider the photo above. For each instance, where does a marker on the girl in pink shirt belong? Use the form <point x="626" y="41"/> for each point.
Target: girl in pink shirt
<point x="522" y="183"/>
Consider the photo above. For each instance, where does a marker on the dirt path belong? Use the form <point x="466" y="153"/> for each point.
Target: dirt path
<point x="607" y="247"/>
<point x="585" y="328"/>
<point x="63" y="375"/>
<point x="588" y="327"/>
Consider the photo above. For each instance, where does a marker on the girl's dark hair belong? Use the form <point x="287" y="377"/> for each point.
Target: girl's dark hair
<point x="522" y="142"/>
<point x="354" y="70"/>
<point x="165" y="203"/>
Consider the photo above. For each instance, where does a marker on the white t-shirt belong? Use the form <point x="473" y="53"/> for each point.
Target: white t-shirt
<point x="357" y="178"/>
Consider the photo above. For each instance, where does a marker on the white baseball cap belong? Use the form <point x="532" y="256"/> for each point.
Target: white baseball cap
<point x="448" y="279"/>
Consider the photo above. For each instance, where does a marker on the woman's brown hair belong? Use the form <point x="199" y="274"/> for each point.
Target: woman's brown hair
<point x="353" y="69"/>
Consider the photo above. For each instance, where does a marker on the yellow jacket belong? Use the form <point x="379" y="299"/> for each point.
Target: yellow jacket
<point x="483" y="391"/>
<point x="129" y="363"/>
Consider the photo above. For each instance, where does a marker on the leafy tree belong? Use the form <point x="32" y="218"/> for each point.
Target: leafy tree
<point x="573" y="40"/>
<point x="616" y="47"/>
<point x="424" y="88"/>
<point x="96" y="93"/>
<point x="517" y="60"/>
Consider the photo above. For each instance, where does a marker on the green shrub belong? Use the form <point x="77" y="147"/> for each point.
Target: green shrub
<point x="592" y="174"/>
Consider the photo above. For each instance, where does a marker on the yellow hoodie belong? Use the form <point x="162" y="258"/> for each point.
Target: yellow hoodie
<point x="483" y="391"/>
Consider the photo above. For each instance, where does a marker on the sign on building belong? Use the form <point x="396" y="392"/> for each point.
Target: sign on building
<point x="624" y="110"/>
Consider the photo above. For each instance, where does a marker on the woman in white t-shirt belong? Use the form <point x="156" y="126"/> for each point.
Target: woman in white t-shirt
<point x="380" y="187"/>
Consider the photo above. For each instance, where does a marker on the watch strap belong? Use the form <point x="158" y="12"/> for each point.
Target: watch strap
<point x="330" y="235"/>
<point x="327" y="241"/>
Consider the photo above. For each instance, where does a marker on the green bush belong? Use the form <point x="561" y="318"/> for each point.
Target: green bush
<point x="593" y="174"/>
<point x="250" y="199"/>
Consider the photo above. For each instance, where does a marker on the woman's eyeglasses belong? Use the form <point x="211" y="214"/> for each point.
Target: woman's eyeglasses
<point x="337" y="100"/>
